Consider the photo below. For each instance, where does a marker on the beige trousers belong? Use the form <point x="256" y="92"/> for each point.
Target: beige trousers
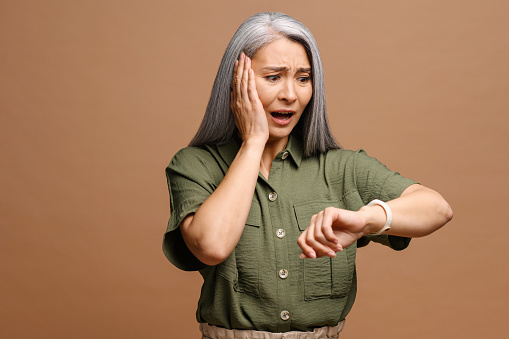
<point x="326" y="332"/>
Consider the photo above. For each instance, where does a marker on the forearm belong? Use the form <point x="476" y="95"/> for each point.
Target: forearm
<point x="419" y="211"/>
<point x="215" y="229"/>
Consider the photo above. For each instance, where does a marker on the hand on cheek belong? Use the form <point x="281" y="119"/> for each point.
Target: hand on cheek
<point x="246" y="106"/>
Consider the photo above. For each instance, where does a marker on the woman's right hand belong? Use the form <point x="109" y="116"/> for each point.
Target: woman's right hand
<point x="212" y="233"/>
<point x="247" y="108"/>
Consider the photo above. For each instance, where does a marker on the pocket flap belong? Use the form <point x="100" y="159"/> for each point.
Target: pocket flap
<point x="254" y="218"/>
<point x="304" y="212"/>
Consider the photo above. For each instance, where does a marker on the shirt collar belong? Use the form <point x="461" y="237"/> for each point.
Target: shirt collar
<point x="294" y="147"/>
<point x="229" y="150"/>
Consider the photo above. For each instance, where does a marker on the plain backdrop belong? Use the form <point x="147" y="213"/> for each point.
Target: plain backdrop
<point x="96" y="96"/>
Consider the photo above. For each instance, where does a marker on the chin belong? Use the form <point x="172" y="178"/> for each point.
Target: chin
<point x="279" y="133"/>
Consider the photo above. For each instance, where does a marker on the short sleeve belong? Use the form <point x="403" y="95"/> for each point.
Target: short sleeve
<point x="375" y="181"/>
<point x="192" y="176"/>
<point x="393" y="241"/>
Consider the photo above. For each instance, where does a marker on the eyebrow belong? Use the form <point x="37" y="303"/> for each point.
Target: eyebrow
<point x="284" y="68"/>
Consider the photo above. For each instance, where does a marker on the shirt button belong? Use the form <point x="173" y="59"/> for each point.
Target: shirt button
<point x="285" y="315"/>
<point x="284" y="155"/>
<point x="272" y="196"/>
<point x="280" y="233"/>
<point x="283" y="273"/>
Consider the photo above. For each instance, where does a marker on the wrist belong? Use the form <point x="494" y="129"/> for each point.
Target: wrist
<point x="252" y="149"/>
<point x="375" y="218"/>
<point x="255" y="142"/>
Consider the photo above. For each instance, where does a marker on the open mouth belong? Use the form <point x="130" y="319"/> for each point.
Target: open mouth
<point x="282" y="117"/>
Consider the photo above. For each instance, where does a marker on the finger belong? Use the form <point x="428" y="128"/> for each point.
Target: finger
<point x="251" y="89"/>
<point x="245" y="78"/>
<point x="304" y="256"/>
<point x="318" y="234"/>
<point x="320" y="249"/>
<point x="238" y="74"/>
<point x="307" y="251"/>
<point x="320" y="227"/>
<point x="328" y="216"/>
<point x="345" y="240"/>
<point x="234" y="80"/>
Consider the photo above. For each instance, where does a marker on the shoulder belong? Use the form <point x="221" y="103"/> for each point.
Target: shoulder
<point x="353" y="158"/>
<point x="196" y="163"/>
<point x="345" y="158"/>
<point x="191" y="154"/>
<point x="350" y="166"/>
<point x="192" y="157"/>
<point x="345" y="153"/>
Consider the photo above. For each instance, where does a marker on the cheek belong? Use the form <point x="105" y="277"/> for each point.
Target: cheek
<point x="305" y="95"/>
<point x="265" y="94"/>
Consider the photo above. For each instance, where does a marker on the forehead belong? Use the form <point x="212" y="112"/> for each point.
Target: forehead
<point x="282" y="52"/>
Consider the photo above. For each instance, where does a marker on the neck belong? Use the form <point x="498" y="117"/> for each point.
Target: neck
<point x="272" y="148"/>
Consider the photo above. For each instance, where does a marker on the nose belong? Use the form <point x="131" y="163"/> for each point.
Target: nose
<point x="287" y="91"/>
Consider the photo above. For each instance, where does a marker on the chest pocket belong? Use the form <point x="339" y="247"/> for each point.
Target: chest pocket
<point x="325" y="277"/>
<point x="241" y="268"/>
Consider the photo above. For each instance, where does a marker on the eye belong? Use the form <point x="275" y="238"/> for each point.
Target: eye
<point x="272" y="78"/>
<point x="304" y="79"/>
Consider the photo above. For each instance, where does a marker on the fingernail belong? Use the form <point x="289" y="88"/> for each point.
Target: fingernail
<point x="312" y="255"/>
<point x="302" y="256"/>
<point x="236" y="63"/>
<point x="331" y="254"/>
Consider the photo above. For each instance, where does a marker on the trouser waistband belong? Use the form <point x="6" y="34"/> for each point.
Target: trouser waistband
<point x="326" y="332"/>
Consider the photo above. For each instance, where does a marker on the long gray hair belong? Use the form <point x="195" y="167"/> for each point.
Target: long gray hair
<point x="218" y="125"/>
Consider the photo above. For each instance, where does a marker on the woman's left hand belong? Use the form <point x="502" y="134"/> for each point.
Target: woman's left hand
<point x="330" y="231"/>
<point x="419" y="211"/>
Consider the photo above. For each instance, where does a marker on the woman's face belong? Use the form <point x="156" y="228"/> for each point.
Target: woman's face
<point x="283" y="81"/>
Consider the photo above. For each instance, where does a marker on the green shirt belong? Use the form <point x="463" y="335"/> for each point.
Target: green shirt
<point x="264" y="285"/>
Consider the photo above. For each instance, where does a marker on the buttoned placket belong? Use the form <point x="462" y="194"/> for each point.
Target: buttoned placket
<point x="281" y="242"/>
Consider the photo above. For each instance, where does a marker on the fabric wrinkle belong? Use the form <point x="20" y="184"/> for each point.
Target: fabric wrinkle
<point x="325" y="332"/>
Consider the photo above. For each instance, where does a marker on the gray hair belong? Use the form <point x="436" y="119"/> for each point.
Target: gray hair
<point x="218" y="124"/>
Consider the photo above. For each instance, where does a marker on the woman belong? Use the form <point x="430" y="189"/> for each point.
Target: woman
<point x="267" y="206"/>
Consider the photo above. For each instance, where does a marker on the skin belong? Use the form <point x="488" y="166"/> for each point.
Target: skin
<point x="278" y="79"/>
<point x="282" y="82"/>
<point x="418" y="212"/>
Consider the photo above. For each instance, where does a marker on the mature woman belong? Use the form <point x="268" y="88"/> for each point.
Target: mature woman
<point x="266" y="205"/>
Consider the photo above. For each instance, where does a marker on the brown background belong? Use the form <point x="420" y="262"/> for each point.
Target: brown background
<point x="96" y="97"/>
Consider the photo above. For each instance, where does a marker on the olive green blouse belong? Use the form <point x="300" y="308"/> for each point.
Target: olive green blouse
<point x="263" y="284"/>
